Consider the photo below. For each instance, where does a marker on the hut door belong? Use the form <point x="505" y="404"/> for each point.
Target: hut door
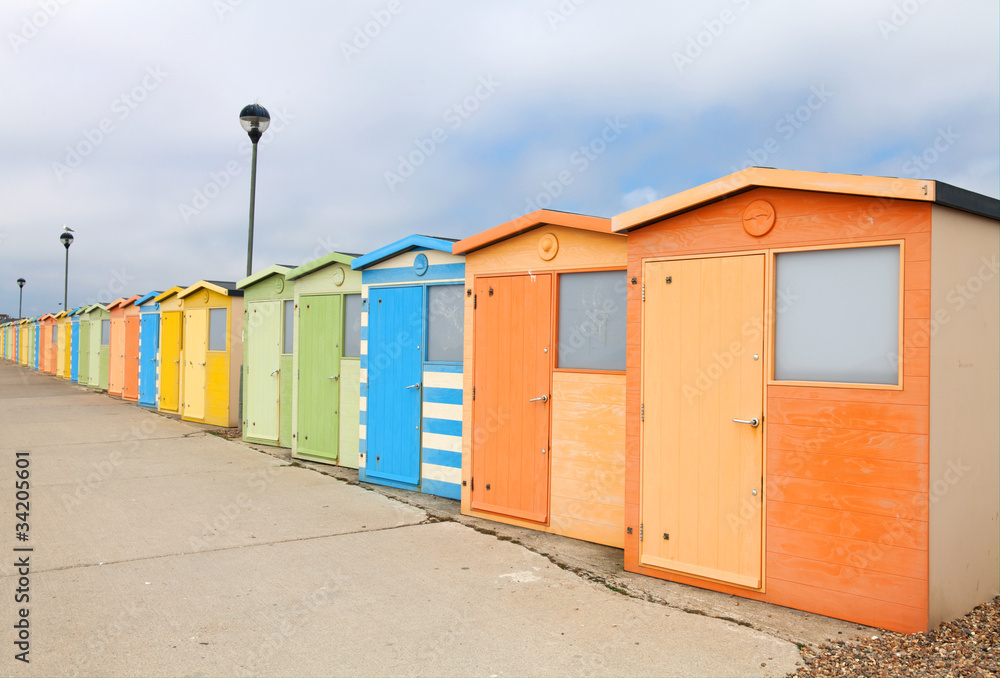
<point x="149" y="331"/>
<point x="702" y="369"/>
<point x="394" y="383"/>
<point x="195" y="362"/>
<point x="74" y="354"/>
<point x="262" y="364"/>
<point x="170" y="360"/>
<point x="320" y="335"/>
<point x="510" y="420"/>
<point x="130" y="387"/>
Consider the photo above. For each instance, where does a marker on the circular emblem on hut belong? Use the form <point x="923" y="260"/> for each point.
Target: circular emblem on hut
<point x="279" y="284"/>
<point x="204" y="296"/>
<point x="548" y="247"/>
<point x="758" y="218"/>
<point x="338" y="276"/>
<point x="420" y="264"/>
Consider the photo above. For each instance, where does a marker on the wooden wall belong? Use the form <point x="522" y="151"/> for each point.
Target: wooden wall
<point x="846" y="490"/>
<point x="587" y="431"/>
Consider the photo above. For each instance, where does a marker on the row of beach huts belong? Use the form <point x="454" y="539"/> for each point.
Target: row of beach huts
<point x="780" y="385"/>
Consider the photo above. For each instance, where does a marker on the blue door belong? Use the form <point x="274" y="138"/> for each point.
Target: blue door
<point x="394" y="360"/>
<point x="149" y="344"/>
<point x="74" y="351"/>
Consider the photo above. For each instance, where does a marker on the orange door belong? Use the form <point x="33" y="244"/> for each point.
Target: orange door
<point x="703" y="369"/>
<point x="510" y="460"/>
<point x="130" y="387"/>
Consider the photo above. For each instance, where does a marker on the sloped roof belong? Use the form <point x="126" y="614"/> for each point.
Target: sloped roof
<point x="322" y="262"/>
<point x="406" y="244"/>
<point x="528" y="222"/>
<point x="224" y="287"/>
<point x="276" y="269"/>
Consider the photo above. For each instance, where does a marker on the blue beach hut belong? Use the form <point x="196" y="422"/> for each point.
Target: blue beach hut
<point x="149" y="348"/>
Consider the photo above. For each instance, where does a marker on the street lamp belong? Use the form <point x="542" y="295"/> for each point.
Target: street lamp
<point x="67" y="240"/>
<point x="254" y="118"/>
<point x="20" y="295"/>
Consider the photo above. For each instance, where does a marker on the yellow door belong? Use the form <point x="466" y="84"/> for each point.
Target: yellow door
<point x="68" y="349"/>
<point x="703" y="360"/>
<point x="170" y="360"/>
<point x="195" y="361"/>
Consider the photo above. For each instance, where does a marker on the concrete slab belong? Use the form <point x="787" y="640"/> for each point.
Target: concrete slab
<point x="161" y="550"/>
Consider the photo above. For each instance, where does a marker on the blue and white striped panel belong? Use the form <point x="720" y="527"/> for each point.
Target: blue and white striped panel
<point x="363" y="405"/>
<point x="441" y="437"/>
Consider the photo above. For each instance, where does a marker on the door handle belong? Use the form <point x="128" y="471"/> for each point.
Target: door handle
<point x="416" y="386"/>
<point x="335" y="377"/>
<point x="755" y="422"/>
<point x="543" y="398"/>
<point x="275" y="372"/>
<point x="202" y="364"/>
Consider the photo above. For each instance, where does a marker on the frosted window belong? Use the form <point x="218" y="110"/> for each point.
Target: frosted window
<point x="55" y="334"/>
<point x="592" y="320"/>
<point x="289" y="326"/>
<point x="837" y="315"/>
<point x="105" y="332"/>
<point x="217" y="329"/>
<point x="352" y="325"/>
<point x="445" y="323"/>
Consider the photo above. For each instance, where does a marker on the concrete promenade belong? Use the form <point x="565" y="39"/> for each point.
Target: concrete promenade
<point x="160" y="549"/>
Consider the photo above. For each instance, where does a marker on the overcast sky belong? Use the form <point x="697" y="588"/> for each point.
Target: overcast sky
<point x="445" y="118"/>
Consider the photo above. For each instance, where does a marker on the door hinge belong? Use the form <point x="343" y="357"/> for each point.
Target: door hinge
<point x="472" y="483"/>
<point x="475" y="298"/>
<point x="640" y="531"/>
<point x="473" y="392"/>
<point x="642" y="412"/>
<point x="644" y="291"/>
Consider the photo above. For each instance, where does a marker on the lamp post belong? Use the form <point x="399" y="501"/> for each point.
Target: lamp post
<point x="254" y="118"/>
<point x="67" y="240"/>
<point x="20" y="295"/>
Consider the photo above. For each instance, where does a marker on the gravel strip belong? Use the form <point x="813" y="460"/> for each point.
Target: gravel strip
<point x="968" y="646"/>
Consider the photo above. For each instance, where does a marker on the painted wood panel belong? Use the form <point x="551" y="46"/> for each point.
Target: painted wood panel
<point x="350" y="413"/>
<point x="588" y="489"/>
<point x="170" y="360"/>
<point x="318" y="334"/>
<point x="74" y="353"/>
<point x="84" y="353"/>
<point x="510" y="426"/>
<point x="116" y="354"/>
<point x="261" y="370"/>
<point x="852" y="430"/>
<point x="195" y="363"/>
<point x="130" y="384"/>
<point x="149" y="351"/>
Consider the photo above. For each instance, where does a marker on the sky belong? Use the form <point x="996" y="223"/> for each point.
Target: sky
<point x="445" y="118"/>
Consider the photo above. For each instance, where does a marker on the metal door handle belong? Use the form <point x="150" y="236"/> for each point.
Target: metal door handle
<point x="543" y="398"/>
<point x="275" y="372"/>
<point x="755" y="422"/>
<point x="177" y="361"/>
<point x="335" y="377"/>
<point x="416" y="386"/>
<point x="201" y="363"/>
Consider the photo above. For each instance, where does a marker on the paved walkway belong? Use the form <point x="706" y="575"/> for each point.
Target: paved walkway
<point x="162" y="550"/>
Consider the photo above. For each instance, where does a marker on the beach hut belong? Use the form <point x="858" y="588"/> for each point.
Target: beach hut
<point x="24" y="341"/>
<point x="268" y="326"/>
<point x="213" y="352"/>
<point x="411" y="355"/>
<point x="171" y="349"/>
<point x="116" y="362"/>
<point x="130" y="367"/>
<point x="64" y="328"/>
<point x="99" y="356"/>
<point x="48" y="334"/>
<point x="326" y="361"/>
<point x="812" y="370"/>
<point x="544" y="380"/>
<point x="149" y="348"/>
<point x="74" y="344"/>
<point x="36" y="342"/>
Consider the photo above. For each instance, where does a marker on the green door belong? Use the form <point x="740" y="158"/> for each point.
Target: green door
<point x="318" y="397"/>
<point x="261" y="370"/>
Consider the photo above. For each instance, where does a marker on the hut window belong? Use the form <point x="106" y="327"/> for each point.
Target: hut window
<point x="55" y="334"/>
<point x="105" y="332"/>
<point x="837" y="315"/>
<point x="445" y="323"/>
<point x="352" y="325"/>
<point x="592" y="320"/>
<point x="288" y="326"/>
<point x="217" y="329"/>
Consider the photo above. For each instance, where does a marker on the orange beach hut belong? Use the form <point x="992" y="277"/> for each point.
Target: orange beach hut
<point x="812" y="394"/>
